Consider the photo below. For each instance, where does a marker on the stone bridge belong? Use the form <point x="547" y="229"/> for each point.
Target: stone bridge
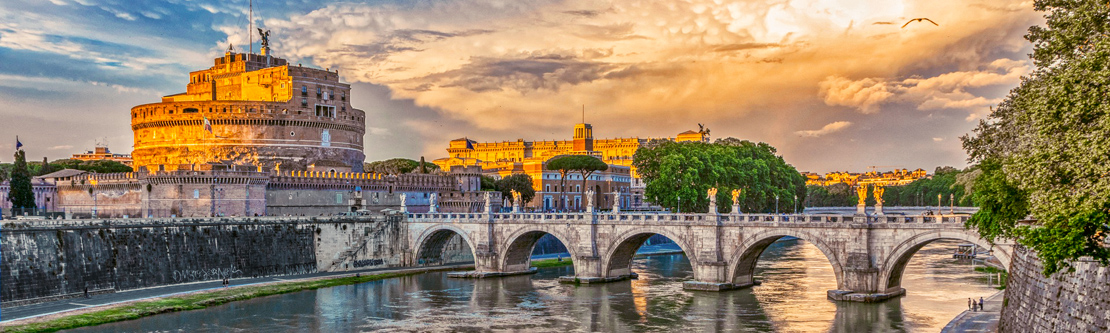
<point x="868" y="253"/>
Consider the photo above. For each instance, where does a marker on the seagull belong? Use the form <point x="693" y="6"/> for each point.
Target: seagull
<point x="919" y="20"/>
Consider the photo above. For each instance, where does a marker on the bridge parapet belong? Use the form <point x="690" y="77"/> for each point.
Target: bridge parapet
<point x="688" y="218"/>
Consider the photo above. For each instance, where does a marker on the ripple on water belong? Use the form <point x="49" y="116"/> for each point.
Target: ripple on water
<point x="795" y="278"/>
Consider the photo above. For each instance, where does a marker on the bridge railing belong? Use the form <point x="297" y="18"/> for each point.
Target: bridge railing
<point x="691" y="217"/>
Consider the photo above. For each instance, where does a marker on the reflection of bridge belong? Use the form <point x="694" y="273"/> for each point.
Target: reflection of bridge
<point x="867" y="254"/>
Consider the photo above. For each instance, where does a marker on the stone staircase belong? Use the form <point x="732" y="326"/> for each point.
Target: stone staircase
<point x="357" y="244"/>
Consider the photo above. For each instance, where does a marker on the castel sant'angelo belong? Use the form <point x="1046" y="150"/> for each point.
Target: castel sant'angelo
<point x="253" y="109"/>
<point x="256" y="136"/>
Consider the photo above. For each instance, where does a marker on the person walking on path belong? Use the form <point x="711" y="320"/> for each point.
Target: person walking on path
<point x="980" y="303"/>
<point x="969" y="303"/>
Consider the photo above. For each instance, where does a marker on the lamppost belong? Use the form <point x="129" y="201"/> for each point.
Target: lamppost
<point x="679" y="203"/>
<point x="795" y="204"/>
<point x="776" y="204"/>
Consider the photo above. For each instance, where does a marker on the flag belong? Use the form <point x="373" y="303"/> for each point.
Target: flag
<point x="207" y="125"/>
<point x="469" y="145"/>
<point x="17" y="143"/>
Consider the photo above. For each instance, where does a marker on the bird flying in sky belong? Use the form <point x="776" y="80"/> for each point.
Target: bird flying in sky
<point x="919" y="20"/>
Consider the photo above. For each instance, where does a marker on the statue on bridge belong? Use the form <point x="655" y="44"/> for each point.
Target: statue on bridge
<point x="712" y="195"/>
<point x="590" y="200"/>
<point x="516" y="200"/>
<point x="736" y="201"/>
<point x="616" y="201"/>
<point x="433" y="203"/>
<point x="861" y="207"/>
<point x="488" y="208"/>
<point x="404" y="207"/>
<point x="879" y="199"/>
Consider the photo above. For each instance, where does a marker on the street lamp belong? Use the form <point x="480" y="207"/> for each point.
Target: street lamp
<point x="776" y="204"/>
<point x="795" y="204"/>
<point x="679" y="208"/>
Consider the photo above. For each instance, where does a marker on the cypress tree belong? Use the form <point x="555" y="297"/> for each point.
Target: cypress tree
<point x="20" y="185"/>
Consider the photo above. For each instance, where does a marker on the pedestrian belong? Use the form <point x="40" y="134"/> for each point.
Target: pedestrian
<point x="980" y="303"/>
<point x="969" y="303"/>
<point x="86" y="292"/>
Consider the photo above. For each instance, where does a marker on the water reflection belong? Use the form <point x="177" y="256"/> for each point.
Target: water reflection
<point x="795" y="278"/>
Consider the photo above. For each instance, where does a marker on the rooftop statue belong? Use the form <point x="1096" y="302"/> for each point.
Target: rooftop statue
<point x="265" y="38"/>
<point x="879" y="194"/>
<point x="736" y="197"/>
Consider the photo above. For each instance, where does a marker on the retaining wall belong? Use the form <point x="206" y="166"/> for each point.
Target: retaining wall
<point x="1064" y="302"/>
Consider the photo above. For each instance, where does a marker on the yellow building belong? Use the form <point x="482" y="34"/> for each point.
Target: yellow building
<point x="509" y="157"/>
<point x="253" y="109"/>
<point x="890" y="178"/>
<point x="102" y="153"/>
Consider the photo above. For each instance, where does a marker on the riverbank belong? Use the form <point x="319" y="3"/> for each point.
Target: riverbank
<point x="551" y="263"/>
<point x="199" y="299"/>
<point x="985" y="320"/>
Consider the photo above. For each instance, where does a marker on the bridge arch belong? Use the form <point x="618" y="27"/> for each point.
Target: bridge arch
<point x="895" y="264"/>
<point x="517" y="253"/>
<point x="618" y="257"/>
<point x="432" y="242"/>
<point x="743" y="261"/>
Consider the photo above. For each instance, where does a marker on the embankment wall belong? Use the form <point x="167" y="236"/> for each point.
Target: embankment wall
<point x="1078" y="301"/>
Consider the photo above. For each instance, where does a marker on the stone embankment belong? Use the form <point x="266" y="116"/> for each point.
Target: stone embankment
<point x="50" y="260"/>
<point x="1078" y="301"/>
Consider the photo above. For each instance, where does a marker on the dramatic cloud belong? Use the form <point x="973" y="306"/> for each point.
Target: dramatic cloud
<point x="830" y="128"/>
<point x="426" y="72"/>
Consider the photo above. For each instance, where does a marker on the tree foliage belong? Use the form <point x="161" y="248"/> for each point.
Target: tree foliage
<point x="97" y="166"/>
<point x="399" y="166"/>
<point x="679" y="174"/>
<point x="20" y="192"/>
<point x="487" y="183"/>
<point x="521" y="183"/>
<point x="1046" y="147"/>
<point x="581" y="164"/>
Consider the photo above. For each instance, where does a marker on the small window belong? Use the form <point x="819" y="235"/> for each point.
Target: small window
<point x="196" y="194"/>
<point x="292" y="133"/>
<point x="304" y="90"/>
<point x="304" y="102"/>
<point x="190" y="110"/>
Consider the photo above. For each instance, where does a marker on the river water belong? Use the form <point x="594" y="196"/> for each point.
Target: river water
<point x="792" y="298"/>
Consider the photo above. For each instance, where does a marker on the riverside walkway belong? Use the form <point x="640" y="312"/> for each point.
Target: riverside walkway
<point x="9" y="314"/>
<point x="985" y="320"/>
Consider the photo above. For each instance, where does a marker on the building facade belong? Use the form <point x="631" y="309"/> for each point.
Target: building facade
<point x="101" y="153"/>
<point x="253" y="109"/>
<point x="501" y="159"/>
<point x="889" y="178"/>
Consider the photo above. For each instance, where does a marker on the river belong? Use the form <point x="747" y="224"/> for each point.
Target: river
<point x="795" y="279"/>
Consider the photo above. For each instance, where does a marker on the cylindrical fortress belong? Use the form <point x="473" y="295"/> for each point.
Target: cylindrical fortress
<point x="251" y="109"/>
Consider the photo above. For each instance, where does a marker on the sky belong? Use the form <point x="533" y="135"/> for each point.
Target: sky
<point x="834" y="85"/>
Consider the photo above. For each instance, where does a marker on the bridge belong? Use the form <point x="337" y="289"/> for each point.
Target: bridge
<point x="868" y="253"/>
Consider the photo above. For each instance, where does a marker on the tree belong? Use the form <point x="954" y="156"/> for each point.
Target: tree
<point x="584" y="165"/>
<point x="521" y="183"/>
<point x="20" y="192"/>
<point x="96" y="166"/>
<point x="399" y="166"/>
<point x="1045" y="150"/>
<point x="46" y="168"/>
<point x="679" y="174"/>
<point x="487" y="183"/>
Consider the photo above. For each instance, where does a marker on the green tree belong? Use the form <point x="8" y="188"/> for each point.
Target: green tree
<point x="521" y="183"/>
<point x="487" y="183"/>
<point x="20" y="192"/>
<point x="584" y="165"/>
<point x="679" y="174"/>
<point x="96" y="166"/>
<point x="399" y="166"/>
<point x="1046" y="147"/>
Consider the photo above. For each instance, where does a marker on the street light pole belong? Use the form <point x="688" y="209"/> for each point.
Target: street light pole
<point x="776" y="204"/>
<point x="795" y="204"/>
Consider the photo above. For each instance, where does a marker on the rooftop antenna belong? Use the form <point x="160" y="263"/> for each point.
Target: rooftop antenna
<point x="250" y="26"/>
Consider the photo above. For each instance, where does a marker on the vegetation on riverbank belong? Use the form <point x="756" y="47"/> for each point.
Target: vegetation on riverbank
<point x="551" y="263"/>
<point x="193" y="301"/>
<point x="994" y="270"/>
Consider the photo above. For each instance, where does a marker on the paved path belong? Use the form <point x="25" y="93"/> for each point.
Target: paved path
<point x="41" y="309"/>
<point x="985" y="320"/>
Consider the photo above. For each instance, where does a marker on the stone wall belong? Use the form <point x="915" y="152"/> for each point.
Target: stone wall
<point x="43" y="260"/>
<point x="1064" y="302"/>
